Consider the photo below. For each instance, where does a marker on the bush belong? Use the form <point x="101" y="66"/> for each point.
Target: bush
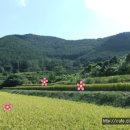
<point x="13" y="80"/>
<point x="1" y="87"/>
<point x="52" y="77"/>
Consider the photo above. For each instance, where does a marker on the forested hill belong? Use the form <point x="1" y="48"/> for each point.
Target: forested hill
<point x="34" y="49"/>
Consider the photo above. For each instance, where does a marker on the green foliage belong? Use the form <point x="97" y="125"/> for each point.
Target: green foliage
<point x="114" y="60"/>
<point x="128" y="58"/>
<point x="109" y="67"/>
<point x="59" y="70"/>
<point x="118" y="99"/>
<point x="22" y="53"/>
<point x="1" y="69"/>
<point x="72" y="87"/>
<point x="1" y="86"/>
<point x="13" y="80"/>
<point x="52" y="77"/>
<point x="34" y="79"/>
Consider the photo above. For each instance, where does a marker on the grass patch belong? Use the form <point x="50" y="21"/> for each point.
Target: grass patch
<point x="117" y="99"/>
<point x="108" y="79"/>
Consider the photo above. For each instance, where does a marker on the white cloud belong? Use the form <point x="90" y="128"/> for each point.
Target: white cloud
<point x="116" y="10"/>
<point x="22" y="3"/>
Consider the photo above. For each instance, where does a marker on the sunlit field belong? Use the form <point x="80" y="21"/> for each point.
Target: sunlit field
<point x="42" y="113"/>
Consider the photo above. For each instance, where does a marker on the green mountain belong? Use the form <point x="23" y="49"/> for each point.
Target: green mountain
<point x="34" y="51"/>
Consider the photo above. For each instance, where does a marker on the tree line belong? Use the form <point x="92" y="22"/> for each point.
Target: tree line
<point x="113" y="66"/>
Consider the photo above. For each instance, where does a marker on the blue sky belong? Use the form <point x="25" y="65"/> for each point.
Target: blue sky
<point x="69" y="19"/>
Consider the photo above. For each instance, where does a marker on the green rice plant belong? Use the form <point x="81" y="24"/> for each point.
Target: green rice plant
<point x="108" y="79"/>
<point x="38" y="113"/>
<point x="89" y="87"/>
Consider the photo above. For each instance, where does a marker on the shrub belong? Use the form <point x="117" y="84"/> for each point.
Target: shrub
<point x="13" y="80"/>
<point x="1" y="87"/>
<point x="52" y="77"/>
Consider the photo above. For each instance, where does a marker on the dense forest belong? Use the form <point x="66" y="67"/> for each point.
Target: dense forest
<point x="103" y="56"/>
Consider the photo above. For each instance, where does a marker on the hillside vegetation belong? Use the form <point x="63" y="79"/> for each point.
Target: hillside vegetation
<point x="33" y="53"/>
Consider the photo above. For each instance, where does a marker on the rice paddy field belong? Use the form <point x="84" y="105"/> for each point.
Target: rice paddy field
<point x="72" y="87"/>
<point x="42" y="113"/>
